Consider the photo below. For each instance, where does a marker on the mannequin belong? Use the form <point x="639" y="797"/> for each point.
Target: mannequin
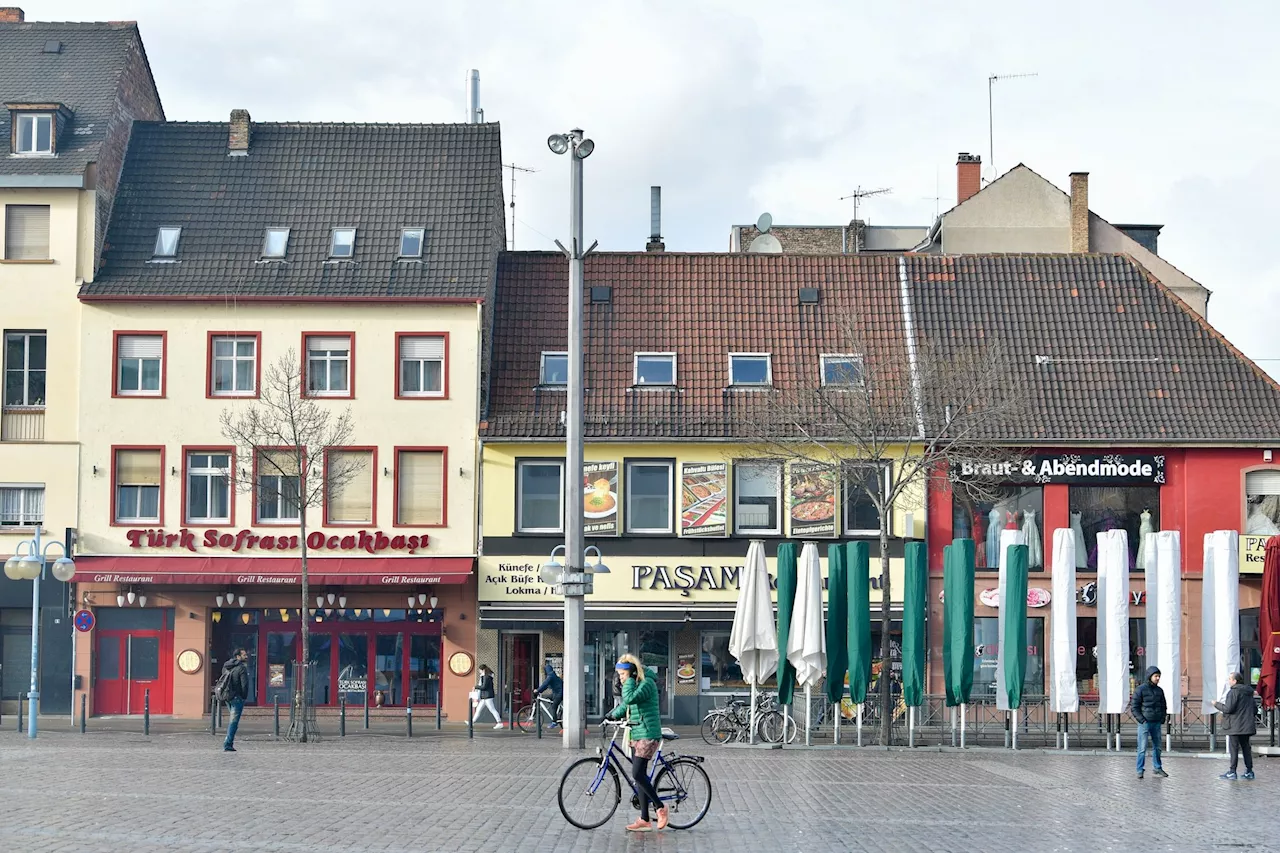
<point x="1082" y="553"/>
<point x="1144" y="540"/>
<point x="1031" y="532"/>
<point x="993" y="536"/>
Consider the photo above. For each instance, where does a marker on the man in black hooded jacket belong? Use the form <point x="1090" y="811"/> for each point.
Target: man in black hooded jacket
<point x="1149" y="709"/>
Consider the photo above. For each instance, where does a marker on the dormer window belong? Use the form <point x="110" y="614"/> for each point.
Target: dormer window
<point x="276" y="243"/>
<point x="343" y="243"/>
<point x="34" y="133"/>
<point x="167" y="242"/>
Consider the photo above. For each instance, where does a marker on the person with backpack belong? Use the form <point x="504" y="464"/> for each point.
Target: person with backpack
<point x="1149" y="709"/>
<point x="233" y="688"/>
<point x="1239" y="723"/>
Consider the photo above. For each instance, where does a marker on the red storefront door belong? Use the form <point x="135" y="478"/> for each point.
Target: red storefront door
<point x="128" y="662"/>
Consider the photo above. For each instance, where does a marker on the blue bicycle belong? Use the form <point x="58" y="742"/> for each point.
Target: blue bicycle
<point x="591" y="789"/>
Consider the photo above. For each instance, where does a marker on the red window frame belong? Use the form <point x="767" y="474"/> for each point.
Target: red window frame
<point x="208" y="367"/>
<point x="257" y="452"/>
<point x="444" y="368"/>
<point x="133" y="523"/>
<point x="351" y="366"/>
<point x="115" y="364"/>
<point x="188" y="449"/>
<point x="444" y="486"/>
<point x="373" y="473"/>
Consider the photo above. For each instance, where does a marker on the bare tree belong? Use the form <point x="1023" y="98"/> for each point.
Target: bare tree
<point x="286" y="438"/>
<point x="890" y="421"/>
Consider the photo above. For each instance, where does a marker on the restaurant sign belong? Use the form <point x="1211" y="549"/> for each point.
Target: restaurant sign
<point x="374" y="542"/>
<point x="1252" y="551"/>
<point x="1077" y="469"/>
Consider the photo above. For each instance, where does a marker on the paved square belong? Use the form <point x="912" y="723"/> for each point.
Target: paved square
<point x="440" y="792"/>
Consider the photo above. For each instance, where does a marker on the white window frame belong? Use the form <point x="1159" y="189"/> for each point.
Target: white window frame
<point x="26" y="369"/>
<point x="121" y="391"/>
<point x="33" y="119"/>
<point x="768" y="361"/>
<point x="631" y="464"/>
<point x="421" y="362"/>
<point x="328" y="358"/>
<point x="266" y="243"/>
<point x="333" y="244"/>
<point x="422" y="241"/>
<point x="161" y="232"/>
<point x="520" y="466"/>
<point x="886" y="471"/>
<point x="542" y="369"/>
<point x="277" y="492"/>
<point x="27" y="515"/>
<point x="236" y="359"/>
<point x="635" y="369"/>
<point x="209" y="473"/>
<point x="824" y="360"/>
<point x="738" y="467"/>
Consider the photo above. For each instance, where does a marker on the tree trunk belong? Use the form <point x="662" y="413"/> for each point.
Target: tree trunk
<point x="886" y="662"/>
<point x="301" y="705"/>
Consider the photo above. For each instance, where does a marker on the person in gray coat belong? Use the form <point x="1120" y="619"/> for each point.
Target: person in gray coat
<point x="1239" y="723"/>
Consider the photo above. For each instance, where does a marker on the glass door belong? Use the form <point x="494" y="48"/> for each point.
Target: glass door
<point x="142" y="670"/>
<point x="353" y="667"/>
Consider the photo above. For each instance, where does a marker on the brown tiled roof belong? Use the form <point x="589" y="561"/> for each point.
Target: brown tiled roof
<point x="1107" y="352"/>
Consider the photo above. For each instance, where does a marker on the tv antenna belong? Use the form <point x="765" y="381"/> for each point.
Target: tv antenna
<point x="859" y="194"/>
<point x="514" y="168"/>
<point x="937" y="196"/>
<point x="991" y="82"/>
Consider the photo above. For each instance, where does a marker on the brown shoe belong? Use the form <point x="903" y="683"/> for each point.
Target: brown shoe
<point x="662" y="818"/>
<point x="639" y="826"/>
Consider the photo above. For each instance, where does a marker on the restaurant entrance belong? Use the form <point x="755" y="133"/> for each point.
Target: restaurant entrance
<point x="133" y="654"/>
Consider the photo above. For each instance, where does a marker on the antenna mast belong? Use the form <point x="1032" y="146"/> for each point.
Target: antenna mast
<point x="514" y="168"/>
<point x="859" y="194"/>
<point x="991" y="136"/>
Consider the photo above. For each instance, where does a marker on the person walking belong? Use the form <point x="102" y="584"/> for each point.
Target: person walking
<point x="555" y="684"/>
<point x="1239" y="724"/>
<point x="1149" y="709"/>
<point x="640" y="705"/>
<point x="235" y="678"/>
<point x="485" y="693"/>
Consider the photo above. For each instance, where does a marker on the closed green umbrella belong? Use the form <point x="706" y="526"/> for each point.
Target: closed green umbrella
<point x="858" y="641"/>
<point x="1013" y="643"/>
<point x="786" y="601"/>
<point x="914" y="601"/>
<point x="837" y="627"/>
<point x="957" y="620"/>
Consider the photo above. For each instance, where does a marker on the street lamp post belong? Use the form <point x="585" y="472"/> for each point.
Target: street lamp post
<point x="31" y="567"/>
<point x="576" y="583"/>
<point x="580" y="580"/>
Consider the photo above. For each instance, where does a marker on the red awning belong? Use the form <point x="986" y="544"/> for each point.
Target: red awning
<point x="273" y="571"/>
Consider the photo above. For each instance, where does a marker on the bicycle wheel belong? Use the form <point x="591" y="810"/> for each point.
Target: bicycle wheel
<point x="523" y="719"/>
<point x="789" y="728"/>
<point x="589" y="794"/>
<point x="685" y="789"/>
<point x="769" y="727"/>
<point x="710" y="729"/>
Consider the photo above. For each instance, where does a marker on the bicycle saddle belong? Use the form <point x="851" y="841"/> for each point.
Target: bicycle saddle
<point x="667" y="734"/>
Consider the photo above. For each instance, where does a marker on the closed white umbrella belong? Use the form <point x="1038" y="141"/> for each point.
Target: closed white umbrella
<point x="807" y="643"/>
<point x="1220" y="615"/>
<point x="1164" y="612"/>
<point x="1065" y="694"/>
<point x="754" y="640"/>
<point x="1113" y="623"/>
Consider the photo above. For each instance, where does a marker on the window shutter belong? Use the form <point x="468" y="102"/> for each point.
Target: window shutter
<point x="328" y="344"/>
<point x="278" y="463"/>
<point x="1262" y="483"/>
<point x="26" y="232"/>
<point x="421" y="498"/>
<point x="138" y="467"/>
<point x="352" y="500"/>
<point x="141" y="346"/>
<point x="423" y="347"/>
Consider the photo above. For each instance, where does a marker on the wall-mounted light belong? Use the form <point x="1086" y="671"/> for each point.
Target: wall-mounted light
<point x="142" y="601"/>
<point x="218" y="599"/>
<point x="131" y="596"/>
<point x="217" y="616"/>
<point x="386" y="472"/>
<point x="119" y="601"/>
<point x="244" y="617"/>
<point x="434" y="602"/>
<point x="319" y="601"/>
<point x="95" y="470"/>
<point x="342" y="602"/>
<point x="173" y="472"/>
<point x="240" y="601"/>
<point x="331" y="597"/>
<point x="412" y="601"/>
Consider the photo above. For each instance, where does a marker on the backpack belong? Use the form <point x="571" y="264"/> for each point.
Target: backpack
<point x="222" y="688"/>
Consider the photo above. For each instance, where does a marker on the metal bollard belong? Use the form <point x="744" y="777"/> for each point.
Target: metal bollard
<point x="537" y="712"/>
<point x="437" y="709"/>
<point x="213" y="715"/>
<point x="20" y="713"/>
<point x="1108" y="722"/>
<point x="219" y="715"/>
<point x="275" y="717"/>
<point x="471" y="723"/>
<point x="342" y="715"/>
<point x="146" y="712"/>
<point x="408" y="718"/>
<point x="1168" y="732"/>
<point x="84" y="703"/>
<point x="1213" y="732"/>
<point x="366" y="709"/>
<point x="1006" y="729"/>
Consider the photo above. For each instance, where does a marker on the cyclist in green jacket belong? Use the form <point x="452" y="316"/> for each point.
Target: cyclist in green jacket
<point x="640" y="704"/>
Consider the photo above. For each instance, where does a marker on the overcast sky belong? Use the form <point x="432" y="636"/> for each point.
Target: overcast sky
<point x="740" y="107"/>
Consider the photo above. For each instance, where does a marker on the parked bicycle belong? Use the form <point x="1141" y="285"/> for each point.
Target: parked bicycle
<point x="591" y="788"/>
<point x="732" y="723"/>
<point x="526" y="719"/>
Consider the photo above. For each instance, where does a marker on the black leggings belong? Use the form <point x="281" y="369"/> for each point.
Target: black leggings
<point x="1237" y="744"/>
<point x="640" y="773"/>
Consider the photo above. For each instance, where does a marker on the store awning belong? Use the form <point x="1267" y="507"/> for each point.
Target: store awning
<point x="273" y="571"/>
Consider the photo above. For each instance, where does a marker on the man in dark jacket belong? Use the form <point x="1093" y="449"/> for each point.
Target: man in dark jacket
<point x="1239" y="723"/>
<point x="555" y="684"/>
<point x="1149" y="709"/>
<point x="237" y="671"/>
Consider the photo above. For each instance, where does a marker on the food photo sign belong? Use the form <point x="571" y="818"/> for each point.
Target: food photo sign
<point x="600" y="498"/>
<point x="811" y="497"/>
<point x="704" y="499"/>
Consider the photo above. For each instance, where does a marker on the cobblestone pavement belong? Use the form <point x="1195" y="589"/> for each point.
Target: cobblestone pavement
<point x="180" y="792"/>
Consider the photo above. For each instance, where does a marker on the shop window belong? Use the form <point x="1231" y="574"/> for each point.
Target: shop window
<point x="420" y="487"/>
<point x="861" y="516"/>
<point x="26" y="232"/>
<point x="649" y="502"/>
<point x="1095" y="509"/>
<point x="719" y="669"/>
<point x="277" y="487"/>
<point x="424" y="669"/>
<point x="137" y="485"/>
<point x="981" y="512"/>
<point x="1262" y="502"/>
<point x="1087" y="655"/>
<point x="329" y="365"/>
<point x="24" y="369"/>
<point x="986" y="640"/>
<point x="422" y="365"/>
<point x="350" y="500"/>
<point x="757" y="488"/>
<point x="140" y="365"/>
<point x="21" y="506"/>
<point x="208" y="486"/>
<point x="233" y="366"/>
<point x="539" y="501"/>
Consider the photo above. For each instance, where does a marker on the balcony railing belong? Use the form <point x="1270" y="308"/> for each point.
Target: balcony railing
<point x="22" y="423"/>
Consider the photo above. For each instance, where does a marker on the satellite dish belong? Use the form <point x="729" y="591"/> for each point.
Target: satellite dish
<point x="765" y="244"/>
<point x="764" y="223"/>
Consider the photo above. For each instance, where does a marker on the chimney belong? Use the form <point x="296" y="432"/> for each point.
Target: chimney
<point x="238" y="139"/>
<point x="1079" y="211"/>
<point x="475" y="115"/>
<point x="11" y="15"/>
<point x="655" y="243"/>
<point x="968" y="176"/>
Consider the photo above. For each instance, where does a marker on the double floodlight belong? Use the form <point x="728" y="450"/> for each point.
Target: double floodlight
<point x="562" y="142"/>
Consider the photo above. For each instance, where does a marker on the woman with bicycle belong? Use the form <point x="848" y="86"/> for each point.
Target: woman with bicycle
<point x="640" y="705"/>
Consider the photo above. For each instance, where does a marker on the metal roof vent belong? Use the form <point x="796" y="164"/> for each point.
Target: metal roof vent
<point x="601" y="293"/>
<point x="808" y="296"/>
<point x="52" y="46"/>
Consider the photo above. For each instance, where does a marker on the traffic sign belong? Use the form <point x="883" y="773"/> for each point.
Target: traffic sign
<point x="84" y="620"/>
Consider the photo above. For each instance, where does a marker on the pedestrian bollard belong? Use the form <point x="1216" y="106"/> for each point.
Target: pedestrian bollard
<point x="219" y="715"/>
<point x="213" y="715"/>
<point x="1213" y="730"/>
<point x="342" y="715"/>
<point x="471" y="723"/>
<point x="1168" y="732"/>
<point x="19" y="713"/>
<point x="84" y="704"/>
<point x="539" y="716"/>
<point x="1108" y="722"/>
<point x="275" y="717"/>
<point x="1006" y="729"/>
<point x="408" y="718"/>
<point x="437" y="710"/>
<point x="146" y="712"/>
<point x="366" y="709"/>
<point x="1118" y="719"/>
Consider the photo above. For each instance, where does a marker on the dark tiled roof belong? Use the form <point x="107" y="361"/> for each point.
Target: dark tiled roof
<point x="83" y="77"/>
<point x="309" y="178"/>
<point x="1126" y="360"/>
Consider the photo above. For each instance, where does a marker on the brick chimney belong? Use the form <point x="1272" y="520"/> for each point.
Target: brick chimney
<point x="1079" y="211"/>
<point x="968" y="176"/>
<point x="238" y="139"/>
<point x="11" y="15"/>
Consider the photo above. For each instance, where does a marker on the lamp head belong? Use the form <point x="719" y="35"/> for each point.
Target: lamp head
<point x="584" y="149"/>
<point x="558" y="143"/>
<point x="434" y="602"/>
<point x="13" y="568"/>
<point x="31" y="565"/>
<point x="64" y="569"/>
<point x="552" y="572"/>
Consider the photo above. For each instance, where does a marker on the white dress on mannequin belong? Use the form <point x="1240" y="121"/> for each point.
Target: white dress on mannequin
<point x="995" y="523"/>
<point x="1145" y="541"/>
<point x="1082" y="553"/>
<point x="1031" y="532"/>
